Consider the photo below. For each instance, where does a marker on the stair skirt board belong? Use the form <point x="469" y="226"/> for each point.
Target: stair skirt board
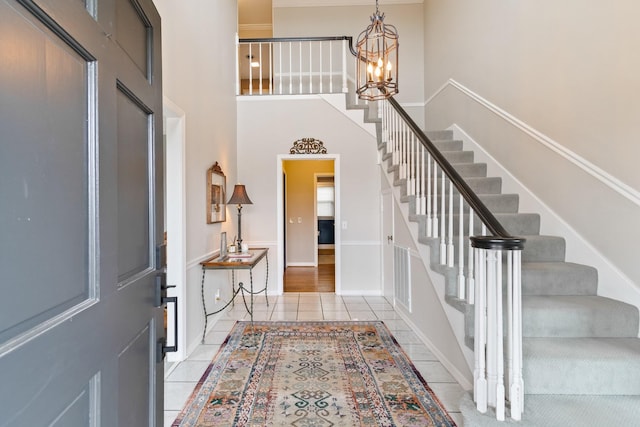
<point x="576" y="342"/>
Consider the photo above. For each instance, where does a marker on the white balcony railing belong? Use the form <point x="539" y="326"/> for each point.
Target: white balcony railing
<point x="288" y="66"/>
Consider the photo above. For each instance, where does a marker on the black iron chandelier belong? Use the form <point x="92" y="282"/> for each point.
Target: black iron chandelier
<point x="377" y="68"/>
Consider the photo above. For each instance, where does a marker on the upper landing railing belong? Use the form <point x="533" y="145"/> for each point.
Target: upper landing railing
<point x="487" y="262"/>
<point x="293" y="66"/>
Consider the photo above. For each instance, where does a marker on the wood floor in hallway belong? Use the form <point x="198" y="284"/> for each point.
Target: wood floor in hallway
<point x="310" y="279"/>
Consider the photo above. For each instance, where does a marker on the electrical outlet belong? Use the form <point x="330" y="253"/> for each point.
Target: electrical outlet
<point x="218" y="295"/>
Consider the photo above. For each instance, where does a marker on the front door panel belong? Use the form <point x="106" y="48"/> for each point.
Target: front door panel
<point x="80" y="213"/>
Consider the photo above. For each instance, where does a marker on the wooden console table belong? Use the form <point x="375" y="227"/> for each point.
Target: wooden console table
<point x="233" y="263"/>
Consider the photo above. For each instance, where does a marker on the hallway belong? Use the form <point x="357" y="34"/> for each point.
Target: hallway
<point x="181" y="378"/>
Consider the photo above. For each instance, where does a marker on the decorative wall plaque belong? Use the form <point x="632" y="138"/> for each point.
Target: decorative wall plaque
<point x="308" y="146"/>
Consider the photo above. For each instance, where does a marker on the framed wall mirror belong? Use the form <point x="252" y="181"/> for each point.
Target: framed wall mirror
<point x="216" y="194"/>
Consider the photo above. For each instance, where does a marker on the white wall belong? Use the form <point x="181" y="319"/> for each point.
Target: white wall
<point x="268" y="127"/>
<point x="563" y="78"/>
<point x="197" y="38"/>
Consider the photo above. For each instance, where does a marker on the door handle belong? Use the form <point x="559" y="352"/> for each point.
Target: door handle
<point x="161" y="299"/>
<point x="389" y="239"/>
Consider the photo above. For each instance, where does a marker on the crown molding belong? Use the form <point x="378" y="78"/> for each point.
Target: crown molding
<point x="326" y="3"/>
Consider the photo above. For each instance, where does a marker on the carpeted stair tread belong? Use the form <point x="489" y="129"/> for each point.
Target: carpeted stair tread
<point x="517" y="224"/>
<point x="558" y="278"/>
<point x="561" y="411"/>
<point x="471" y="170"/>
<point x="448" y="144"/>
<point x="608" y="366"/>
<point x="543" y="248"/>
<point x="458" y="156"/>
<point x="439" y="134"/>
<point x="573" y="316"/>
<point x="496" y="203"/>
<point x="577" y="316"/>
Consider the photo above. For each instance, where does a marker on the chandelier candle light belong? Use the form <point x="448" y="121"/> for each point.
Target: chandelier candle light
<point x="377" y="68"/>
<point x="239" y="197"/>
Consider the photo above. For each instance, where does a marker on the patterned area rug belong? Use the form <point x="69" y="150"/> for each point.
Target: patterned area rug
<point x="316" y="374"/>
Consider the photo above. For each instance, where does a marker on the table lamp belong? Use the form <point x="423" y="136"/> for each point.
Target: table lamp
<point x="239" y="197"/>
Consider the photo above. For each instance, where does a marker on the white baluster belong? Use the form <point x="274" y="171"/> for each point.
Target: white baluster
<point x="270" y="68"/>
<point x="300" y="67"/>
<point x="450" y="250"/>
<point x="516" y="389"/>
<point x="331" y="67"/>
<point x="237" y="65"/>
<point x="280" y="65"/>
<point x="500" y="398"/>
<point x="395" y="158"/>
<point x="443" y="220"/>
<point x="423" y="184"/>
<point x="250" y="71"/>
<point x="290" y="68"/>
<point x="492" y="356"/>
<point x="479" y="337"/>
<point x="434" y="216"/>
<point x="345" y="89"/>
<point x="409" y="165"/>
<point x="470" y="272"/>
<point x="404" y="150"/>
<point x="310" y="67"/>
<point x="461" y="247"/>
<point x="320" y="63"/>
<point x="260" y="69"/>
<point x="428" y="197"/>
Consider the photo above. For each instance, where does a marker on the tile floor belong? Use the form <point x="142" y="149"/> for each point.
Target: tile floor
<point x="181" y="378"/>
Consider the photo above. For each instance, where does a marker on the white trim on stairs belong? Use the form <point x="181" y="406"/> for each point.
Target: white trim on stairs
<point x="593" y="170"/>
<point x="612" y="282"/>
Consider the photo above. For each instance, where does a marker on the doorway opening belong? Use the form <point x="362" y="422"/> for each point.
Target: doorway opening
<point x="175" y="224"/>
<point x="309" y="208"/>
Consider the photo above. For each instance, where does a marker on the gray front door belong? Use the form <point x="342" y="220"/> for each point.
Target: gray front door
<point x="80" y="213"/>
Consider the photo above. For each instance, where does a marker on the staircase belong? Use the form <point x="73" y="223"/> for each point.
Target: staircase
<point x="581" y="354"/>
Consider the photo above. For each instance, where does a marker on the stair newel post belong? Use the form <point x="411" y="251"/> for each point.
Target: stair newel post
<point x="450" y="249"/>
<point x="516" y="383"/>
<point x="443" y="224"/>
<point x="461" y="247"/>
<point x="470" y="272"/>
<point x="479" y="334"/>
